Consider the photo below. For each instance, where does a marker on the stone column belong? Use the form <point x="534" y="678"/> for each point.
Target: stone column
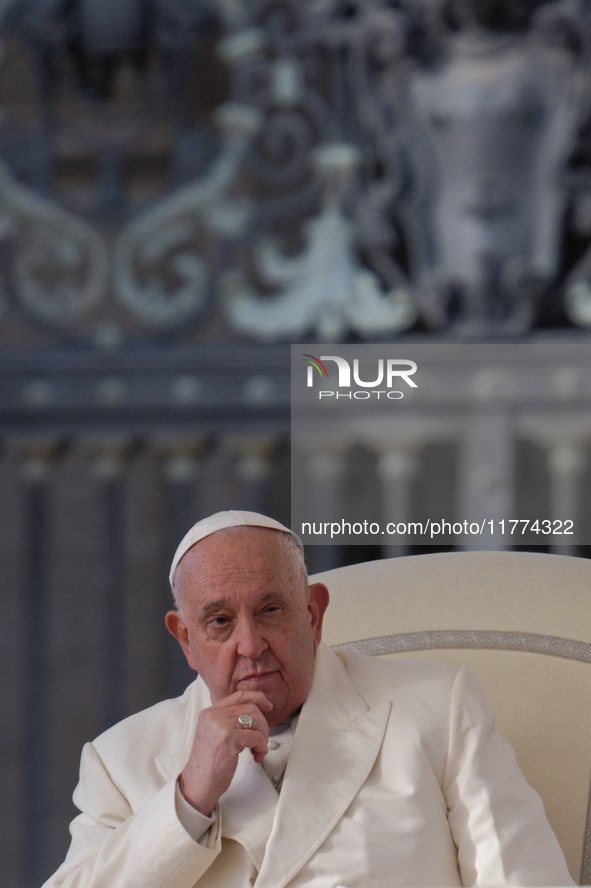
<point x="108" y="461"/>
<point x="397" y="467"/>
<point x="566" y="466"/>
<point x="325" y="472"/>
<point x="564" y="440"/>
<point x="253" y="457"/>
<point x="486" y="476"/>
<point x="37" y="463"/>
<point x="182" y="466"/>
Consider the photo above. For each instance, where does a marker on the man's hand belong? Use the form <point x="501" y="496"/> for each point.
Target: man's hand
<point x="219" y="740"/>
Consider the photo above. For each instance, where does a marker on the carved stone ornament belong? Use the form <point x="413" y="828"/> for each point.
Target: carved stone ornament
<point x="364" y="166"/>
<point x="464" y="118"/>
<point x="166" y="238"/>
<point x="492" y="126"/>
<point x="59" y="261"/>
<point x="324" y="290"/>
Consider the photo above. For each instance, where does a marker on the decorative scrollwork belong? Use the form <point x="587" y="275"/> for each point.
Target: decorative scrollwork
<point x="282" y="150"/>
<point x="270" y="72"/>
<point x="325" y="290"/>
<point x="59" y="264"/>
<point x="159" y="274"/>
<point x="486" y="121"/>
<point x="469" y="206"/>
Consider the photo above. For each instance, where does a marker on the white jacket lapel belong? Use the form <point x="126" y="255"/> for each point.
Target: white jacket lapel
<point x="336" y="744"/>
<point x="247" y="808"/>
<point x="172" y="763"/>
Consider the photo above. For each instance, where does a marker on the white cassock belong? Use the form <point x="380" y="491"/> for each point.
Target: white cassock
<point x="396" y="777"/>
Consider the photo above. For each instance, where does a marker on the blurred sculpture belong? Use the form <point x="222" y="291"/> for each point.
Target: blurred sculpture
<point x="383" y="163"/>
<point x="325" y="289"/>
<point x="466" y="117"/>
<point x="475" y="109"/>
<point x="491" y="123"/>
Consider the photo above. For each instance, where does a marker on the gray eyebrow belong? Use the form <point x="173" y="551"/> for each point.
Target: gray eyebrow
<point x="213" y="605"/>
<point x="223" y="602"/>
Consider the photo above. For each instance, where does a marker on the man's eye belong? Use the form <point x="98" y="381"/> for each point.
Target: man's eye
<point x="216" y="622"/>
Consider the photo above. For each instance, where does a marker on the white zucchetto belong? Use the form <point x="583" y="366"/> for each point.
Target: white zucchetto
<point x="220" y="521"/>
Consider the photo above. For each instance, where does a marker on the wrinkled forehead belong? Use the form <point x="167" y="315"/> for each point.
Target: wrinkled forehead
<point x="239" y="562"/>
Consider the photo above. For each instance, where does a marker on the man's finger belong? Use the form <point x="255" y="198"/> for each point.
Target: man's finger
<point x="255" y="741"/>
<point x="256" y="697"/>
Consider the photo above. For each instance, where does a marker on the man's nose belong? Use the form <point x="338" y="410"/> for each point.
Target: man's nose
<point x="250" y="643"/>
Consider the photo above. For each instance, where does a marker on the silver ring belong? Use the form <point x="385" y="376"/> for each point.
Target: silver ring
<point x="245" y="720"/>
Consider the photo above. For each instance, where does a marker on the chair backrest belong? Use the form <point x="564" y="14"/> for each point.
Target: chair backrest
<point x="521" y="622"/>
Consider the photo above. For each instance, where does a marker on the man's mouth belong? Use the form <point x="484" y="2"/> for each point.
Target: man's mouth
<point x="254" y="678"/>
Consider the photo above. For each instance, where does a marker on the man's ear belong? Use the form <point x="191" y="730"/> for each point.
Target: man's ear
<point x="176" y="626"/>
<point x="317" y="604"/>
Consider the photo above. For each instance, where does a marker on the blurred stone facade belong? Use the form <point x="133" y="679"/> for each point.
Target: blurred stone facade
<point x="187" y="187"/>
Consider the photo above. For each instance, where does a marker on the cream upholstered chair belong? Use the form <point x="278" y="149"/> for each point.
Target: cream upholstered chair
<point x="521" y="622"/>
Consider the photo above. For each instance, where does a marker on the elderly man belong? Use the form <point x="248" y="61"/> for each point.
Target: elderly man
<point x="285" y="764"/>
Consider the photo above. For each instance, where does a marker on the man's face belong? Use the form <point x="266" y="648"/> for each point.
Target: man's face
<point x="247" y="622"/>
